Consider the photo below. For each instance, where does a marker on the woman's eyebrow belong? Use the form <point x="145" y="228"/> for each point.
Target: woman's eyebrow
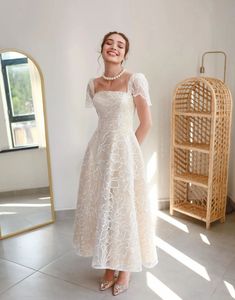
<point x="118" y="41"/>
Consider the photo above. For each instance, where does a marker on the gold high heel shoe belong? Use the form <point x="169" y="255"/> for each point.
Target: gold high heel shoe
<point x="119" y="288"/>
<point x="105" y="284"/>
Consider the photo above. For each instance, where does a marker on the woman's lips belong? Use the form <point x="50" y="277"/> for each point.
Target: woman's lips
<point x="112" y="53"/>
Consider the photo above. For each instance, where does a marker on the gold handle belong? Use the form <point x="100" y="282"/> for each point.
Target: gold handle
<point x="202" y="68"/>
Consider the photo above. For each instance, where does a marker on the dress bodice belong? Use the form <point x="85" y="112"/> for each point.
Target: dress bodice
<point x="115" y="109"/>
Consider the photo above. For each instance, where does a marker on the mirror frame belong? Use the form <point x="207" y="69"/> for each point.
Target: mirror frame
<point x="47" y="149"/>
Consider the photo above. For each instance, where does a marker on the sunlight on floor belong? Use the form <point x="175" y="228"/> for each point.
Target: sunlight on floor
<point x="230" y="288"/>
<point x="172" y="221"/>
<point x="182" y="258"/>
<point x="8" y="213"/>
<point x="204" y="238"/>
<point x="160" y="288"/>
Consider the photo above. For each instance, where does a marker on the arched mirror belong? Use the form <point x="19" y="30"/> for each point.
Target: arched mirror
<point x="26" y="198"/>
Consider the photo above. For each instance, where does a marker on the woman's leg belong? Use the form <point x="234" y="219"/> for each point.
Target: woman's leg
<point x="108" y="279"/>
<point x="123" y="277"/>
<point x="109" y="274"/>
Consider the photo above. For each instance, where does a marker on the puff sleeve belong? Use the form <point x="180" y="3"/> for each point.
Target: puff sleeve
<point x="140" y="87"/>
<point x="89" y="94"/>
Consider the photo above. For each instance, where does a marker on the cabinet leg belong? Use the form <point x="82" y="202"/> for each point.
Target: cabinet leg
<point x="208" y="224"/>
<point x="171" y="211"/>
<point x="222" y="220"/>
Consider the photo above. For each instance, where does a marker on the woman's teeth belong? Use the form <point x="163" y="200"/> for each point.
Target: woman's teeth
<point x="112" y="53"/>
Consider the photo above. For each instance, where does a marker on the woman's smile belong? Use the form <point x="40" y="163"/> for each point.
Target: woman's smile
<point x="112" y="53"/>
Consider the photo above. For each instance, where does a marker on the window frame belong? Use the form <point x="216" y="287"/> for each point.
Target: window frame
<point x="13" y="119"/>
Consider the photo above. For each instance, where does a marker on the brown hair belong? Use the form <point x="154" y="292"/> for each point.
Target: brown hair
<point x="127" y="46"/>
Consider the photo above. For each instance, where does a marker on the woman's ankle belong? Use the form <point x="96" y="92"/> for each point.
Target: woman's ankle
<point x="124" y="277"/>
<point x="109" y="274"/>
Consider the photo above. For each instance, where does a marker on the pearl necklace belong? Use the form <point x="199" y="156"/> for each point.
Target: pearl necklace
<point x="115" y="77"/>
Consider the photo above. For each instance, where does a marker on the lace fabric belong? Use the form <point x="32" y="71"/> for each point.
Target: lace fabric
<point x="140" y="87"/>
<point x="89" y="94"/>
<point x="114" y="222"/>
<point x="137" y="86"/>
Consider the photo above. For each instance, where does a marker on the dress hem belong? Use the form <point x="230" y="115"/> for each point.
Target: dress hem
<point x="118" y="268"/>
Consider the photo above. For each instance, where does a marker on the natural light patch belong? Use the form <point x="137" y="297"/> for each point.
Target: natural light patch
<point x="230" y="288"/>
<point x="44" y="198"/>
<point x="205" y="239"/>
<point x="8" y="213"/>
<point x="160" y="288"/>
<point x="182" y="258"/>
<point x="151" y="167"/>
<point x="25" y="205"/>
<point x="172" y="221"/>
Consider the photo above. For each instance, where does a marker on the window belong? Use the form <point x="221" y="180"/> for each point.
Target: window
<point x="18" y="94"/>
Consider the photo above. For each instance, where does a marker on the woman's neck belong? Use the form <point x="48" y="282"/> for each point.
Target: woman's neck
<point x="111" y="70"/>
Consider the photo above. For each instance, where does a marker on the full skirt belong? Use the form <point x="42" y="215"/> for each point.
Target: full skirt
<point x="115" y="220"/>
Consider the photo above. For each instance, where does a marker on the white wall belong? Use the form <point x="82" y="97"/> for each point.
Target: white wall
<point x="167" y="39"/>
<point x="223" y="39"/>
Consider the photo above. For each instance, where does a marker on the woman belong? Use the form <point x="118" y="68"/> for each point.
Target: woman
<point x="114" y="222"/>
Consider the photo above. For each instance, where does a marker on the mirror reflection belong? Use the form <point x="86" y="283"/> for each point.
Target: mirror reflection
<point x="25" y="181"/>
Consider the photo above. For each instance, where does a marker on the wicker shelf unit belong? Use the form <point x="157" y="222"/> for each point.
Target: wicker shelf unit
<point x="200" y="145"/>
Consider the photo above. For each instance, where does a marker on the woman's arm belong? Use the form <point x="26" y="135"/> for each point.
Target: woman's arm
<point x="145" y="118"/>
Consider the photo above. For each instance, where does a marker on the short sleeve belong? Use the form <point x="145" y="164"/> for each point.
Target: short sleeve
<point x="89" y="94"/>
<point x="140" y="87"/>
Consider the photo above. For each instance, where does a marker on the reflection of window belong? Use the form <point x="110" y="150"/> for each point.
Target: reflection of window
<point x="18" y="92"/>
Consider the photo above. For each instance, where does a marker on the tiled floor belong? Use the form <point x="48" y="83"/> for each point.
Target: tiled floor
<point x="194" y="263"/>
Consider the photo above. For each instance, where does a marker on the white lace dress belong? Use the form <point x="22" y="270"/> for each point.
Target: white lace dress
<point x="114" y="222"/>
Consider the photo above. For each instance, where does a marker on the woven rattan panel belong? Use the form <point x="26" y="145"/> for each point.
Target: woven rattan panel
<point x="201" y="126"/>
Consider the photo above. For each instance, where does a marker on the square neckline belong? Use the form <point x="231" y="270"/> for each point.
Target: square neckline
<point x="110" y="91"/>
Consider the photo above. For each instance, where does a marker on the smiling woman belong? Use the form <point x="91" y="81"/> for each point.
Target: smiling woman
<point x="114" y="222"/>
<point x="115" y="44"/>
<point x="114" y="49"/>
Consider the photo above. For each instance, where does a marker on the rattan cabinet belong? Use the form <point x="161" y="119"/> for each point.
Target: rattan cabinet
<point x="200" y="144"/>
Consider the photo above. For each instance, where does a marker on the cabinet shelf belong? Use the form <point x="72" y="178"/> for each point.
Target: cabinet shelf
<point x="202" y="147"/>
<point x="193" y="114"/>
<point x="192" y="210"/>
<point x="196" y="179"/>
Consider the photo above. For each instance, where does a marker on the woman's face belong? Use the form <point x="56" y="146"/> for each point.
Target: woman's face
<point x="114" y="49"/>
